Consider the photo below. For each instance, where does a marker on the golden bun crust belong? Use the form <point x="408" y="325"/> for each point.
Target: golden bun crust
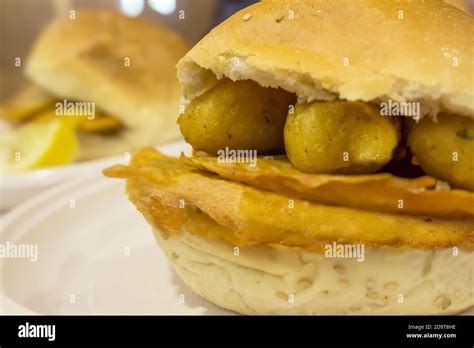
<point x="265" y="280"/>
<point x="125" y="65"/>
<point x="367" y="50"/>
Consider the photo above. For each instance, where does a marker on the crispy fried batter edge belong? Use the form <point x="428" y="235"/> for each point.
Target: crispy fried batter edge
<point x="174" y="196"/>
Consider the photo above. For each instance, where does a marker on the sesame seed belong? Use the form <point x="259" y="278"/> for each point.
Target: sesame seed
<point x="247" y="17"/>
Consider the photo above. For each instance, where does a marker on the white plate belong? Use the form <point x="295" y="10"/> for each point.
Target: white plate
<point x="16" y="188"/>
<point x="99" y="257"/>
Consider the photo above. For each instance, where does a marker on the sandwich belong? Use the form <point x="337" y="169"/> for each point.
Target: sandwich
<point x="109" y="77"/>
<point x="332" y="169"/>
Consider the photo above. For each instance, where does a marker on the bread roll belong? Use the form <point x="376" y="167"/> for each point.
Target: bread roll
<point x="125" y="65"/>
<point x="367" y="50"/>
<point x="268" y="280"/>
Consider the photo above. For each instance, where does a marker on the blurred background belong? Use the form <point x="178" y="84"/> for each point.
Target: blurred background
<point x="22" y="20"/>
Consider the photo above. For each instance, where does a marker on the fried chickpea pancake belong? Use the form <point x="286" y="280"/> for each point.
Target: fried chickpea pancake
<point x="382" y="192"/>
<point x="27" y="102"/>
<point x="246" y="212"/>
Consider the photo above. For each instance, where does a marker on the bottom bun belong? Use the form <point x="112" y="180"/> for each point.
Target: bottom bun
<point x="276" y="280"/>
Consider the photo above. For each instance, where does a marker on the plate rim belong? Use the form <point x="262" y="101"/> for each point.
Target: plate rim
<point x="18" y="212"/>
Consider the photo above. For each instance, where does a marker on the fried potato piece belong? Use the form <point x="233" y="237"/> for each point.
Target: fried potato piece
<point x="340" y="137"/>
<point x="26" y="103"/>
<point x="250" y="216"/>
<point x="34" y="103"/>
<point x="445" y="149"/>
<point x="101" y="123"/>
<point x="237" y="115"/>
<point x="380" y="192"/>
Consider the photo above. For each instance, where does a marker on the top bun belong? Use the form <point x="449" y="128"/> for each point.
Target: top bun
<point x="368" y="50"/>
<point x="125" y="65"/>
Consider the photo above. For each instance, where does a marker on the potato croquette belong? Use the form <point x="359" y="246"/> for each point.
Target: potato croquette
<point x="340" y="137"/>
<point x="445" y="149"/>
<point x="237" y="115"/>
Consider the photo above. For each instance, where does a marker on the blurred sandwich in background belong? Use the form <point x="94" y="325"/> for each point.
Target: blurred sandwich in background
<point x="100" y="84"/>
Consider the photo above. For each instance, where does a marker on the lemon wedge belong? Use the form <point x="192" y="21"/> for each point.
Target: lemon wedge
<point x="38" y="144"/>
